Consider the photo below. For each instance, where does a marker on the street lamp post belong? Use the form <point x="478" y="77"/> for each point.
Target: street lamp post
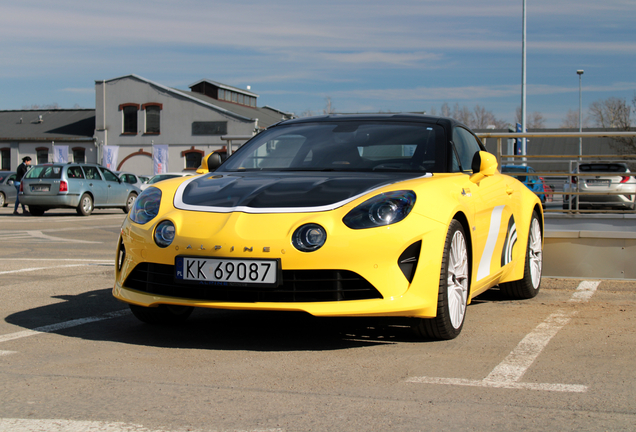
<point x="580" y="74"/>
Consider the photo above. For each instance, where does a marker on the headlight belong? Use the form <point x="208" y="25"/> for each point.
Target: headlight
<point x="385" y="209"/>
<point x="164" y="233"/>
<point x="309" y="237"/>
<point x="146" y="206"/>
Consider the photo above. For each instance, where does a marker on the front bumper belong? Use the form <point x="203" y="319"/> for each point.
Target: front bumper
<point x="358" y="275"/>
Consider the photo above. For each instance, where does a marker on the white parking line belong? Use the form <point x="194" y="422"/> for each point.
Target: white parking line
<point x="39" y="237"/>
<point x="59" y="425"/>
<point x="44" y="268"/>
<point x="508" y="373"/>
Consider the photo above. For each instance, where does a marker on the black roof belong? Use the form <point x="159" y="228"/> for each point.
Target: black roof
<point x="446" y="122"/>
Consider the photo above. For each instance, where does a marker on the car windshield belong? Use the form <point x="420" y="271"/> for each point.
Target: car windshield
<point x="603" y="167"/>
<point x="343" y="146"/>
<point x="160" y="177"/>
<point x="45" y="171"/>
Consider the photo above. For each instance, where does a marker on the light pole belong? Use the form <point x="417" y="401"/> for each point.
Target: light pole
<point x="523" y="79"/>
<point x="580" y="74"/>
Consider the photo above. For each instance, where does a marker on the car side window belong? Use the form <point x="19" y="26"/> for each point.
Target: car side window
<point x="466" y="145"/>
<point x="74" y="172"/>
<point x="109" y="175"/>
<point x="92" y="173"/>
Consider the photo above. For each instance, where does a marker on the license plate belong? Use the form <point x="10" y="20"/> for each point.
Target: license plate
<point x="217" y="271"/>
<point x="597" y="182"/>
<point x="40" y="188"/>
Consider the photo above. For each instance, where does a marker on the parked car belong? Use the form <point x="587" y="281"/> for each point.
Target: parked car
<point x="527" y="176"/>
<point x="83" y="187"/>
<point x="7" y="190"/>
<point x="348" y="215"/>
<point x="160" y="177"/>
<point x="131" y="178"/>
<point x="601" y="178"/>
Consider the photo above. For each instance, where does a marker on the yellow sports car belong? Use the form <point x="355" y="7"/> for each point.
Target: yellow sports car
<point x="342" y="215"/>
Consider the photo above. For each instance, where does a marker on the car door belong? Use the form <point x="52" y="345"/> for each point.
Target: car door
<point x="494" y="228"/>
<point x="96" y="185"/>
<point x="117" y="190"/>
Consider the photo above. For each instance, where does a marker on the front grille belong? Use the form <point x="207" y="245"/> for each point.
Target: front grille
<point x="297" y="286"/>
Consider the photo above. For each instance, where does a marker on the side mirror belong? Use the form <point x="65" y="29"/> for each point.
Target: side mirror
<point x="10" y="182"/>
<point x="484" y="165"/>
<point x="210" y="163"/>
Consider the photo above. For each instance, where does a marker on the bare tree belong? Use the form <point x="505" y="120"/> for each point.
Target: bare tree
<point x="534" y="120"/>
<point x="571" y="120"/>
<point x="51" y="106"/>
<point x="611" y="113"/>
<point x="329" y="108"/>
<point x="445" y="111"/>
<point x="462" y="114"/>
<point x="615" y="113"/>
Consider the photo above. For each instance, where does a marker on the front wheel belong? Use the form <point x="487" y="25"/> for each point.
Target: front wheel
<point x="528" y="287"/>
<point x="3" y="200"/>
<point x="452" y="297"/>
<point x="162" y="314"/>
<point x="85" y="206"/>
<point x="129" y="202"/>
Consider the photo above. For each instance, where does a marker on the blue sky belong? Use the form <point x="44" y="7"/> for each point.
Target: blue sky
<point x="367" y="56"/>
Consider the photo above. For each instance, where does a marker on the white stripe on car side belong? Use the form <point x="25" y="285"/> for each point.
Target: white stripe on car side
<point x="491" y="242"/>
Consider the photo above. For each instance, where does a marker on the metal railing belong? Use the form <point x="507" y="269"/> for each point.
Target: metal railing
<point x="564" y="186"/>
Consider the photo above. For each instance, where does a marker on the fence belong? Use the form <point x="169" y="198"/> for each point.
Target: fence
<point x="573" y="190"/>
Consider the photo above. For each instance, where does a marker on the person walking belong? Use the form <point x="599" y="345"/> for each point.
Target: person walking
<point x="21" y="171"/>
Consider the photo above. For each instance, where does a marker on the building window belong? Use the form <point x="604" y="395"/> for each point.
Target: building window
<point x="209" y="128"/>
<point x="234" y="97"/>
<point x="79" y="155"/>
<point x="129" y="113"/>
<point x="193" y="158"/>
<point x="42" y="155"/>
<point x="221" y="94"/>
<point x="5" y="155"/>
<point x="153" y="118"/>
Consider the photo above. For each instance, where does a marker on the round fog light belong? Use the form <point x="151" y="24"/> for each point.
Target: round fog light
<point x="164" y="233"/>
<point x="309" y="238"/>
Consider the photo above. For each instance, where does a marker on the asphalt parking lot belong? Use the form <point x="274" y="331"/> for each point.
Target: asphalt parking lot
<point x="72" y="358"/>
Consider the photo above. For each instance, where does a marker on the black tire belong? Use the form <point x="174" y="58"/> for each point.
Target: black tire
<point x="3" y="200"/>
<point x="453" y="291"/>
<point x="85" y="206"/>
<point x="529" y="286"/>
<point x="129" y="202"/>
<point x="162" y="314"/>
<point x="36" y="211"/>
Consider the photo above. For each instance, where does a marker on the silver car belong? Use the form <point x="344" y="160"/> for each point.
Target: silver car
<point x="131" y="178"/>
<point x="82" y="187"/>
<point x="604" y="184"/>
<point x="7" y="190"/>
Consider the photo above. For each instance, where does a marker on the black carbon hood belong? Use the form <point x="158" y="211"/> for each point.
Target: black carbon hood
<point x="280" y="191"/>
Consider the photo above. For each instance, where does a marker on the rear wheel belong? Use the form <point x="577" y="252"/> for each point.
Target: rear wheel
<point x="129" y="202"/>
<point x="452" y="297"/>
<point x="36" y="211"/>
<point x="162" y="314"/>
<point x="528" y="287"/>
<point x="85" y="206"/>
